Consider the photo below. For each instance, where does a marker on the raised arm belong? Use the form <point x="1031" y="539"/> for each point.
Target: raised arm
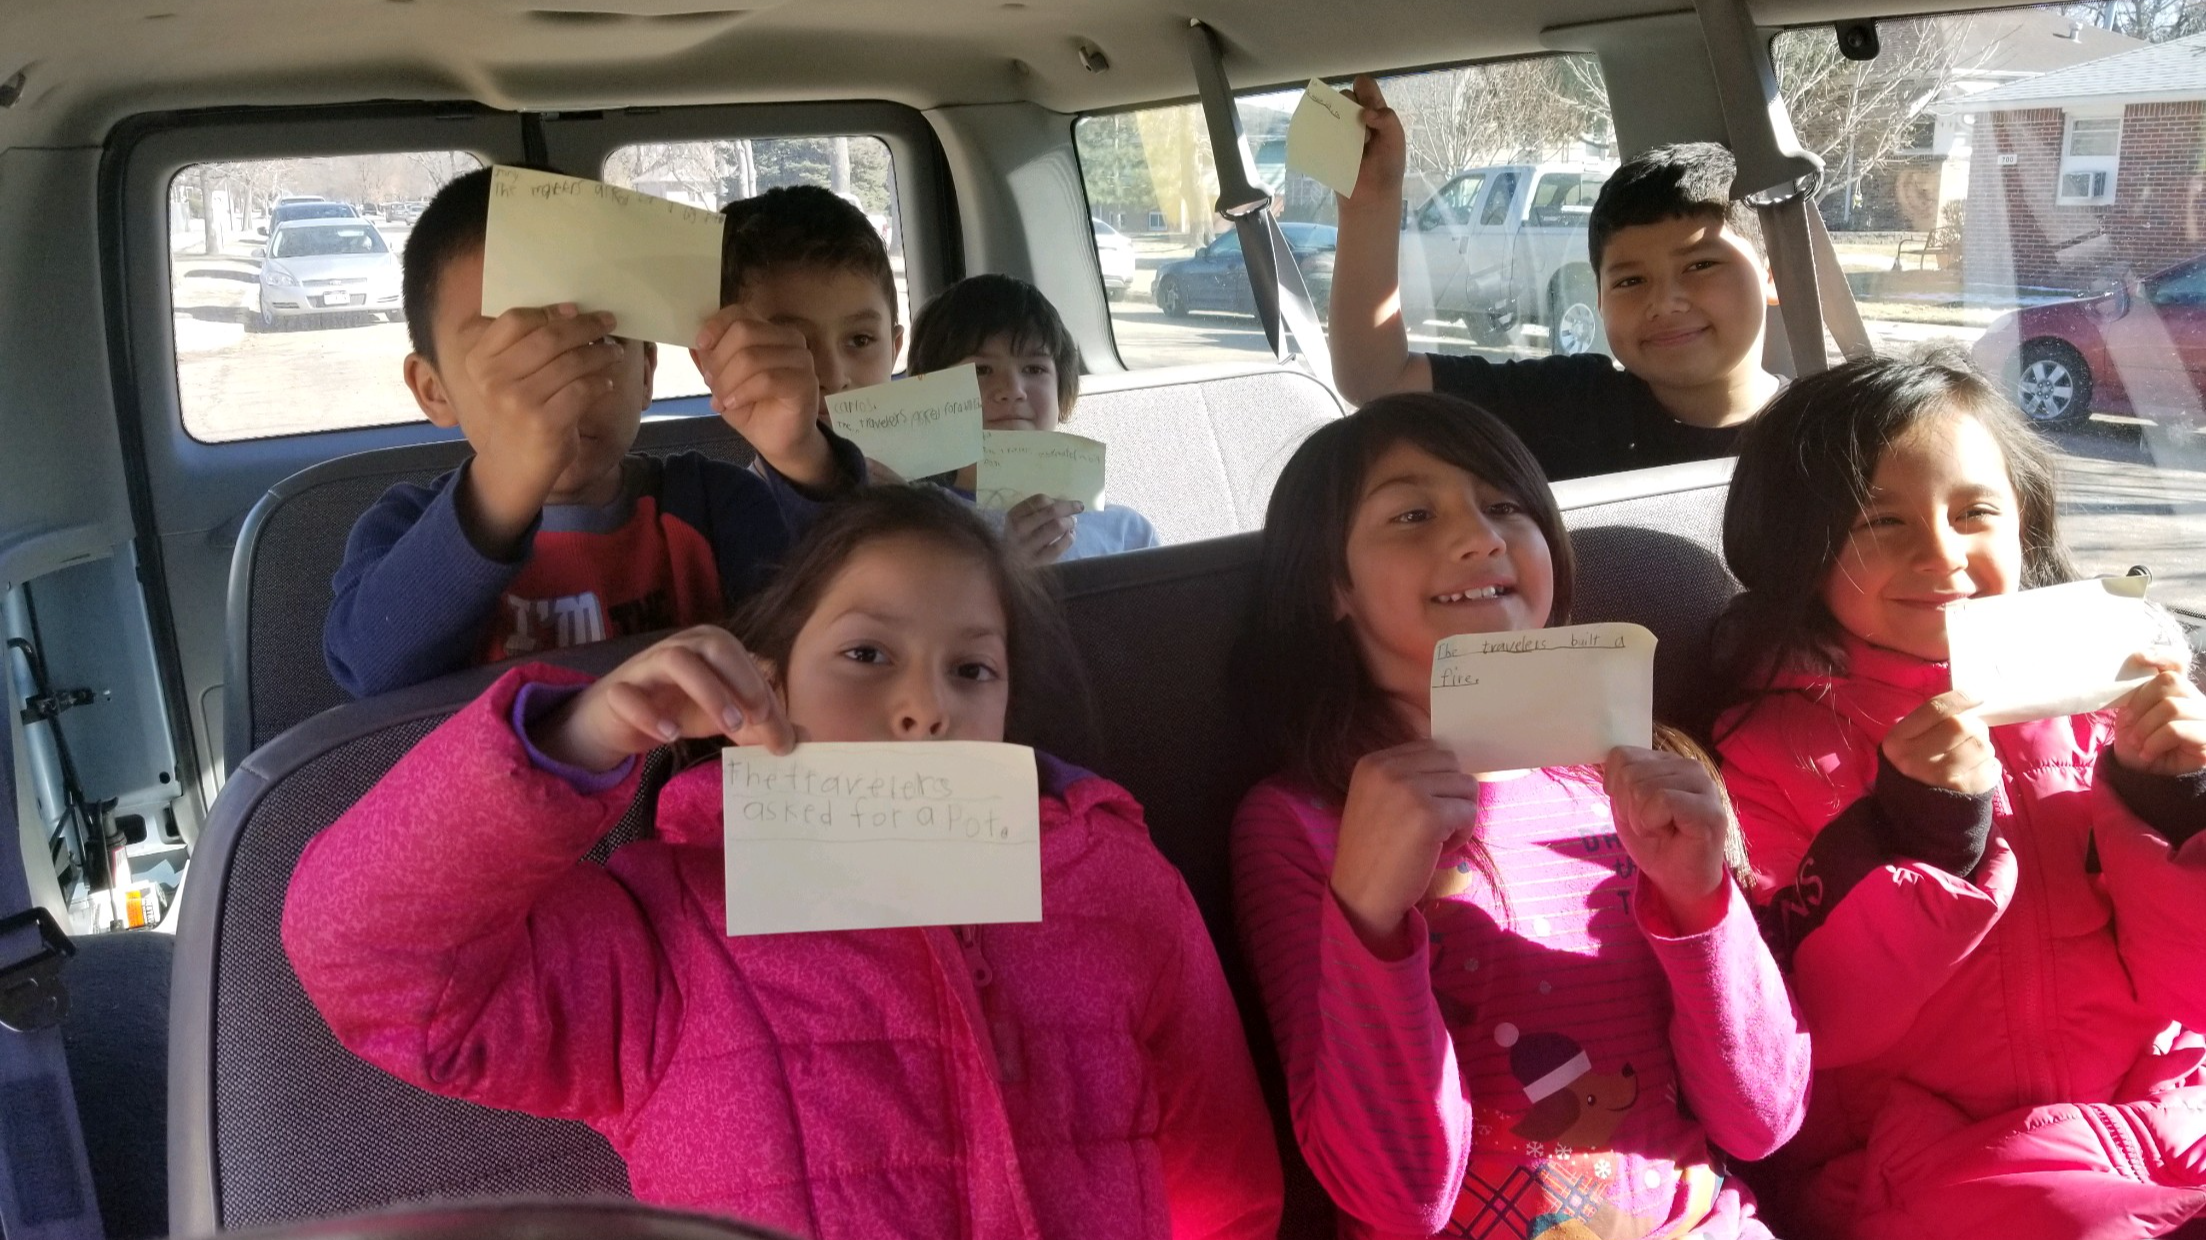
<point x="1370" y="343"/>
<point x="1373" y="1086"/>
<point x="450" y="934"/>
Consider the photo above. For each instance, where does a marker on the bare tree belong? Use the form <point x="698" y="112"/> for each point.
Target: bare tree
<point x="1541" y="107"/>
<point x="2155" y="21"/>
<point x="1858" y="115"/>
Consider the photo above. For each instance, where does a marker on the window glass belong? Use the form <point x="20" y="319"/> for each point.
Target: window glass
<point x="714" y="173"/>
<point x="1149" y="173"/>
<point x="1498" y="199"/>
<point x="283" y="280"/>
<point x="2047" y="226"/>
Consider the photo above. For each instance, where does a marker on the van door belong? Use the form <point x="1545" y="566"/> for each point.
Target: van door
<point x="1486" y="251"/>
<point x="1433" y="248"/>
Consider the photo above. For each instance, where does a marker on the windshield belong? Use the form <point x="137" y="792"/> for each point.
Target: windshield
<point x="1309" y="236"/>
<point x="325" y="241"/>
<point x="314" y="211"/>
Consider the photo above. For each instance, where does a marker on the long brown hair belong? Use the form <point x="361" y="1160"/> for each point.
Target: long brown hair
<point x="1803" y="476"/>
<point x="1309" y="689"/>
<point x="1044" y="672"/>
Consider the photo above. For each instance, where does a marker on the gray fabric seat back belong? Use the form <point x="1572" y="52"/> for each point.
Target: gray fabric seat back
<point x="290" y="547"/>
<point x="271" y="1120"/>
<point x="1196" y="449"/>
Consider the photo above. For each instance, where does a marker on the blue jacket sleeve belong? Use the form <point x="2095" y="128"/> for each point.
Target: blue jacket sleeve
<point x="413" y="595"/>
<point x="751" y="517"/>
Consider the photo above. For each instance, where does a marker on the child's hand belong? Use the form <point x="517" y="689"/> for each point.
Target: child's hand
<point x="2161" y="728"/>
<point x="764" y="385"/>
<point x="699" y="682"/>
<point x="1385" y="149"/>
<point x="1672" y="821"/>
<point x="1040" y="529"/>
<point x="1407" y="806"/>
<point x="539" y="371"/>
<point x="1943" y="743"/>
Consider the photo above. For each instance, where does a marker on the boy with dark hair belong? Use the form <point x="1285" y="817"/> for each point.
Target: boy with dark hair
<point x="553" y="534"/>
<point x="1682" y="290"/>
<point x="809" y="301"/>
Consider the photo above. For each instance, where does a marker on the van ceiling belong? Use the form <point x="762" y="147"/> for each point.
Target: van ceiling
<point x="88" y="63"/>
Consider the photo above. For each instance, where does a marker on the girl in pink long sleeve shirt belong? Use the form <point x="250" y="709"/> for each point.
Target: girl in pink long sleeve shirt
<point x="1525" y="1007"/>
<point x="1080" y="1077"/>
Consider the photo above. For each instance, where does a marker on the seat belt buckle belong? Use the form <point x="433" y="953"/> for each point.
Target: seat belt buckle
<point x="31" y="994"/>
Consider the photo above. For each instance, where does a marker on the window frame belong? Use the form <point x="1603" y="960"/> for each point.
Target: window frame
<point x="2087" y="165"/>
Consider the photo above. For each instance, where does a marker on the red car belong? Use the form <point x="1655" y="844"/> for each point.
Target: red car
<point x="2138" y="350"/>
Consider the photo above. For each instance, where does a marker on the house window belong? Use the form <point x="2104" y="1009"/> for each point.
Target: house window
<point x="2088" y="155"/>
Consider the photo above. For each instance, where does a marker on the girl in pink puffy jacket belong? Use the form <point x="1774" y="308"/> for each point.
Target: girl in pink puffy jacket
<point x="1997" y="934"/>
<point x="1516" y="1006"/>
<point x="1083" y="1076"/>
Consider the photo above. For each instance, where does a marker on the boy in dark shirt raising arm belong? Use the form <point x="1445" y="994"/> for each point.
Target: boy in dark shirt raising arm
<point x="1682" y="290"/>
<point x="553" y="533"/>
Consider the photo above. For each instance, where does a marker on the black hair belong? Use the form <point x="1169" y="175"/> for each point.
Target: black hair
<point x="1683" y="179"/>
<point x="801" y="226"/>
<point x="451" y="226"/>
<point x="1304" y="670"/>
<point x="1048" y="695"/>
<point x="1805" y="464"/>
<point x="957" y="321"/>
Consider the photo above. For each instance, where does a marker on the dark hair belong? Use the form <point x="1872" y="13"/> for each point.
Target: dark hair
<point x="1305" y="673"/>
<point x="1804" y="469"/>
<point x="1667" y="183"/>
<point x="450" y="227"/>
<point x="957" y="321"/>
<point x="800" y="226"/>
<point x="1043" y="670"/>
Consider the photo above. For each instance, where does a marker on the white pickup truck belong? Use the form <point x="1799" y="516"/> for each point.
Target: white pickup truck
<point x="1504" y="246"/>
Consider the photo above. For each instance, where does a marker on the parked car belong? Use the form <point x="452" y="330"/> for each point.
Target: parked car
<point x="316" y="268"/>
<point x="289" y="209"/>
<point x="1505" y="245"/>
<point x="2138" y="349"/>
<point x="1116" y="255"/>
<point x="1215" y="277"/>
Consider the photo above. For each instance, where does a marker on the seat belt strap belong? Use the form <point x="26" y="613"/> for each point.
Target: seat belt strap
<point x="1812" y="293"/>
<point x="1840" y="314"/>
<point x="45" y="1176"/>
<point x="1282" y="298"/>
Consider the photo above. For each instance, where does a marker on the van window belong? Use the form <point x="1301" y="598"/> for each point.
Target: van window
<point x="1468" y="287"/>
<point x="714" y="173"/>
<point x="273" y="298"/>
<point x="2022" y="184"/>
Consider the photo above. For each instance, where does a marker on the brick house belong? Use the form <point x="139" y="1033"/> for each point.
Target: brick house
<point x="2088" y="173"/>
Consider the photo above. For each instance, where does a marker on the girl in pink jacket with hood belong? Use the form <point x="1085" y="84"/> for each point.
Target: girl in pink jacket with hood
<point x="1080" y="1077"/>
<point x="1513" y="1006"/>
<point x="1997" y="934"/>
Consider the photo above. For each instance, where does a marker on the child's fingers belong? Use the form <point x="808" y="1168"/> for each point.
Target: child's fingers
<point x="519" y="352"/>
<point x="639" y="715"/>
<point x="795" y="386"/>
<point x="583" y="370"/>
<point x="760" y="718"/>
<point x="717" y="326"/>
<point x="1945" y="707"/>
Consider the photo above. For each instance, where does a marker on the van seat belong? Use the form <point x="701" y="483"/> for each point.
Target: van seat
<point x="290" y="547"/>
<point x="271" y="1120"/>
<point x="1196" y="448"/>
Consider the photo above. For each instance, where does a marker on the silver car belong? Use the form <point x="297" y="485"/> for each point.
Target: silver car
<point x="313" y="269"/>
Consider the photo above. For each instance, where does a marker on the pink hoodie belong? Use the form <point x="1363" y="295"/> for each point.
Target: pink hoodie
<point x="1081" y="1077"/>
<point x="1548" y="1063"/>
<point x="2001" y="1051"/>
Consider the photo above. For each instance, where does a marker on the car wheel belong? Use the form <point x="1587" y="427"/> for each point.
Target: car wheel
<point x="2054" y="386"/>
<point x="1574" y="325"/>
<point x="1170" y="299"/>
<point x="266" y="320"/>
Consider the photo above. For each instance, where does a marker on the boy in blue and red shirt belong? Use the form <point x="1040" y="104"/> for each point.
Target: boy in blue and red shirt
<point x="553" y="534"/>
